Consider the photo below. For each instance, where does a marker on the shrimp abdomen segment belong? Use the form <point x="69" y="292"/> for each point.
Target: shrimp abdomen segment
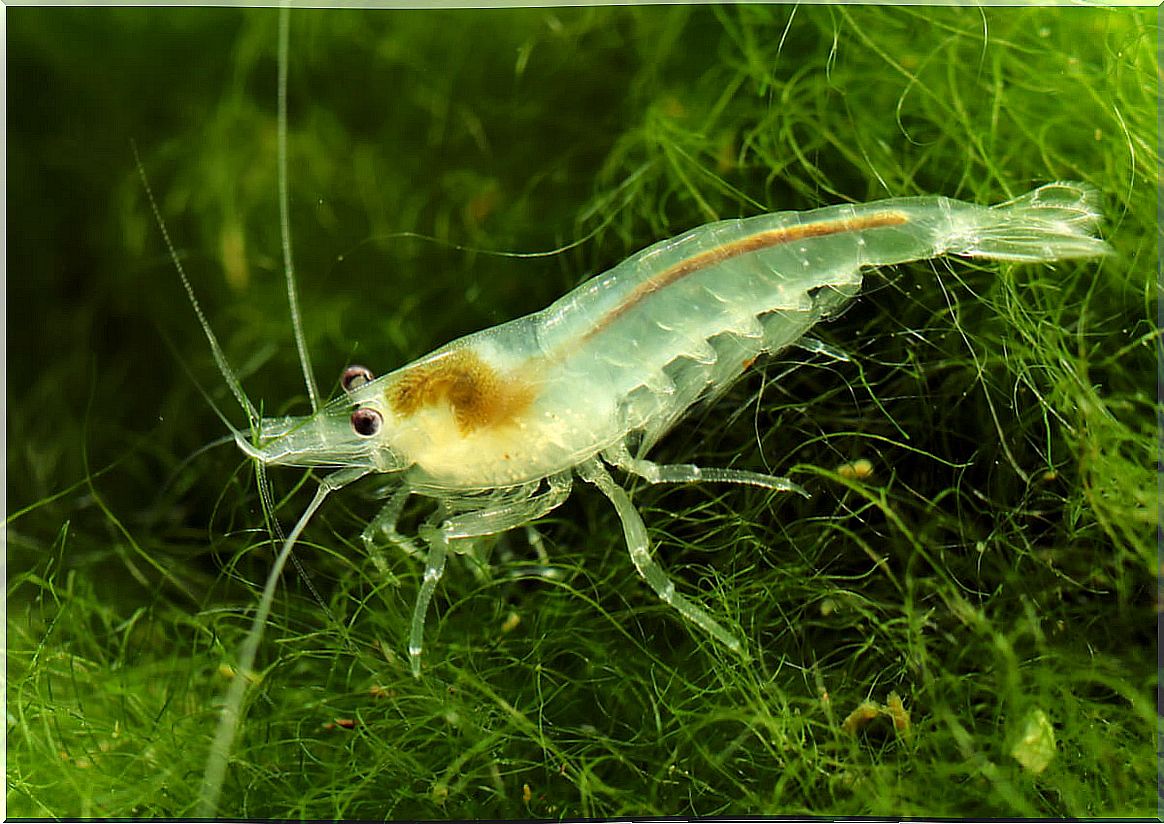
<point x="683" y="318"/>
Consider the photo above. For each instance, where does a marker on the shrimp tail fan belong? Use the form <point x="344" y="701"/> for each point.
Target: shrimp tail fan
<point x="1053" y="222"/>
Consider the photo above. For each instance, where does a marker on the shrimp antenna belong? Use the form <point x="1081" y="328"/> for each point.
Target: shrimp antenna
<point x="285" y="208"/>
<point x="219" y="357"/>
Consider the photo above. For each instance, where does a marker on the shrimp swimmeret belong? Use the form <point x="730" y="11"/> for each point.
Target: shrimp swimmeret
<point x="495" y="425"/>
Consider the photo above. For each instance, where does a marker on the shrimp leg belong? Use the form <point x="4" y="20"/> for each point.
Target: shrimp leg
<point x="690" y="473"/>
<point x="385" y="524"/>
<point x="499" y="517"/>
<point x="639" y="544"/>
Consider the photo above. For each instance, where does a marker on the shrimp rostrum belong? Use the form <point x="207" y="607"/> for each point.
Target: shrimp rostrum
<point x="496" y="425"/>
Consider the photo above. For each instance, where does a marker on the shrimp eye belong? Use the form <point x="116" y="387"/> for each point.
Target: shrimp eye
<point x="355" y="376"/>
<point x="366" y="422"/>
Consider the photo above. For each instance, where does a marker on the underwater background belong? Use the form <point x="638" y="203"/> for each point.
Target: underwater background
<point x="961" y="621"/>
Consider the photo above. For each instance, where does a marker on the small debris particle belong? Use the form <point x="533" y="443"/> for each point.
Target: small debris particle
<point x="861" y="716"/>
<point x="228" y="671"/>
<point x="1035" y="749"/>
<point x="725" y="155"/>
<point x="511" y="622"/>
<point x="389" y="654"/>
<point x="233" y="245"/>
<point x="893" y="709"/>
<point x="859" y="469"/>
<point x="897" y="712"/>
<point x="482" y="205"/>
<point x="673" y="108"/>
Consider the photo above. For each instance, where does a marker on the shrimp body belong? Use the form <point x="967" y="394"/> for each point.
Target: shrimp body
<point x="627" y="353"/>
<point x="496" y="425"/>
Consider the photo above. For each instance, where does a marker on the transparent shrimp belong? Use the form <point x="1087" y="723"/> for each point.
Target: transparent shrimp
<point x="496" y="425"/>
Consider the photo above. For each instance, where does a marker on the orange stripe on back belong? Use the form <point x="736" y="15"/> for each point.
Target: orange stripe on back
<point x="751" y="243"/>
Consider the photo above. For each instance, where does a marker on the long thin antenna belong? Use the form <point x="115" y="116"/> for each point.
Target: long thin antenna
<point x="219" y="357"/>
<point x="285" y="207"/>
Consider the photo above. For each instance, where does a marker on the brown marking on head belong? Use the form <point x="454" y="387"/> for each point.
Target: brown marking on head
<point x="751" y="243"/>
<point x="477" y="395"/>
